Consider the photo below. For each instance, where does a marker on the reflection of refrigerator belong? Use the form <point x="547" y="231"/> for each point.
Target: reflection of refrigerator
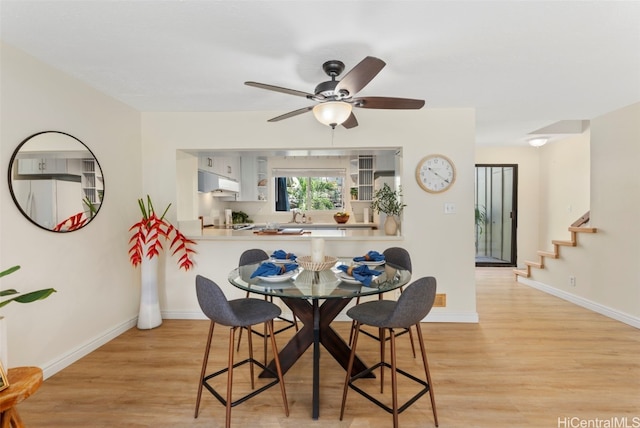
<point x="49" y="202"/>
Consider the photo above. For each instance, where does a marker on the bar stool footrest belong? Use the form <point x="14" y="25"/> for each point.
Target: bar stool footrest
<point x="386" y="339"/>
<point x="291" y="324"/>
<point x="402" y="408"/>
<point x="247" y="396"/>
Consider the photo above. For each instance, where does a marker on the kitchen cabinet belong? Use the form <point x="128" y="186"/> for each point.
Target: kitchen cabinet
<point x="253" y="181"/>
<point x="205" y="163"/>
<point x="42" y="166"/>
<point x="225" y="166"/>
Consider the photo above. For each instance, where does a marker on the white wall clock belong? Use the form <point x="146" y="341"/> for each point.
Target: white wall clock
<point x="435" y="173"/>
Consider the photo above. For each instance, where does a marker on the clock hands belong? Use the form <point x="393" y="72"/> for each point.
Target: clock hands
<point x="446" y="180"/>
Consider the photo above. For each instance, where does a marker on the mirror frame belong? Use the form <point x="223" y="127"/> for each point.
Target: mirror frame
<point x="12" y="169"/>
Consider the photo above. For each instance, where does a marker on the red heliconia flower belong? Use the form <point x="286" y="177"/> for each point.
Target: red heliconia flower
<point x="149" y="233"/>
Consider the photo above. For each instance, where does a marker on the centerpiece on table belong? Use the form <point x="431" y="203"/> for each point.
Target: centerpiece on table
<point x="146" y="244"/>
<point x="389" y="202"/>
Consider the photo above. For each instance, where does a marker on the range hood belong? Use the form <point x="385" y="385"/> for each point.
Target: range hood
<point x="217" y="185"/>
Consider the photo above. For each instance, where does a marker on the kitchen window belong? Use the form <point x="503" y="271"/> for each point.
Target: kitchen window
<point x="309" y="189"/>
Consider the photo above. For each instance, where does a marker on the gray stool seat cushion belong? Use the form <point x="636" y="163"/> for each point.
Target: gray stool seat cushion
<point x="373" y="313"/>
<point x="414" y="304"/>
<point x="253" y="311"/>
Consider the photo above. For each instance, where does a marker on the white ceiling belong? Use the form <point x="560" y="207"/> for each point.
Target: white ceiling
<point x="522" y="65"/>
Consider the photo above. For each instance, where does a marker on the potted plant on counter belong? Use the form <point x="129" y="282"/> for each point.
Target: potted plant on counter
<point x="388" y="201"/>
<point x="146" y="244"/>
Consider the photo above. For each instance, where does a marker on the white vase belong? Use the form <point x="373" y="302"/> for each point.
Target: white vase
<point x="149" y="313"/>
<point x="390" y="225"/>
<point x="4" y="353"/>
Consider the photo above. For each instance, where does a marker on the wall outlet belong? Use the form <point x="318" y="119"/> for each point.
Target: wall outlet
<point x="572" y="281"/>
<point x="449" y="208"/>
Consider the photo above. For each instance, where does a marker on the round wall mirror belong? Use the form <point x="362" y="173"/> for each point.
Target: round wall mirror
<point x="56" y="181"/>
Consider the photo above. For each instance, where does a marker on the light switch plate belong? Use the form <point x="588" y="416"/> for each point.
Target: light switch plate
<point x="449" y="208"/>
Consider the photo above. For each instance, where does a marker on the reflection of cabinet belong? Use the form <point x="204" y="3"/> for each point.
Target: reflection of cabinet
<point x="42" y="166"/>
<point x="253" y="184"/>
<point x="92" y="183"/>
<point x="365" y="177"/>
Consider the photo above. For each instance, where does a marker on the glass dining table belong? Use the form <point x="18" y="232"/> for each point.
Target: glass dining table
<point x="317" y="298"/>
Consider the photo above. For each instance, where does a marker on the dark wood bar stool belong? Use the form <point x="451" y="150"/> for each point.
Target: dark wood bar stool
<point x="387" y="315"/>
<point x="249" y="257"/>
<point x="236" y="314"/>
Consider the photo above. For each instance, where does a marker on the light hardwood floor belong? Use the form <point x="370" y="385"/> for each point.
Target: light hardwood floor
<point x="533" y="361"/>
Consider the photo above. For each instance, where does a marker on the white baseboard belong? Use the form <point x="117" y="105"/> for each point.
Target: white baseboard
<point x="585" y="303"/>
<point x="74" y="355"/>
<point x="186" y="315"/>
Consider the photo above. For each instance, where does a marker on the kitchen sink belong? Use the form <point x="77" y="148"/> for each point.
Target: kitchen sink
<point x="243" y="226"/>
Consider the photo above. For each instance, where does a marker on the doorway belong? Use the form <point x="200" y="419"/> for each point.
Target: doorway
<point x="496" y="200"/>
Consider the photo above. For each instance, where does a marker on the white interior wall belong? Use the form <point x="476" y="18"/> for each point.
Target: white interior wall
<point x="442" y="245"/>
<point x="614" y="264"/>
<point x="97" y="292"/>
<point x="564" y="186"/>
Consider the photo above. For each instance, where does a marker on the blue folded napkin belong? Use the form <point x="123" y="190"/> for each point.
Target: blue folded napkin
<point x="271" y="269"/>
<point x="361" y="273"/>
<point x="283" y="255"/>
<point x="371" y="256"/>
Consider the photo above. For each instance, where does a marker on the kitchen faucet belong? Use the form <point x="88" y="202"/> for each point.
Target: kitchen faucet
<point x="295" y="212"/>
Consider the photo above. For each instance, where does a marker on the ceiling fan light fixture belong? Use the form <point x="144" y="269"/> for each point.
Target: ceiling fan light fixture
<point x="538" y="142"/>
<point x="332" y="113"/>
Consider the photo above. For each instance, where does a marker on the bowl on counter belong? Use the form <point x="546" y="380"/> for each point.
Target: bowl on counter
<point x="341" y="218"/>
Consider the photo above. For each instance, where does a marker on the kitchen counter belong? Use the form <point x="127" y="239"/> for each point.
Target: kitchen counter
<point x="330" y="233"/>
<point x="307" y="226"/>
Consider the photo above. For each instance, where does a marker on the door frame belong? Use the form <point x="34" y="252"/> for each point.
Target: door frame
<point x="513" y="213"/>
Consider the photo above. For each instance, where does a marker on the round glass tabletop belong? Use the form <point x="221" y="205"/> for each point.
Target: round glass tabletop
<point x="326" y="284"/>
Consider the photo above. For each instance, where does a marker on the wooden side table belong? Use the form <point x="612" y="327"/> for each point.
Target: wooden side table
<point x="23" y="381"/>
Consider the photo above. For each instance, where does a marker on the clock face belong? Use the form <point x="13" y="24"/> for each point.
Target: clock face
<point x="435" y="173"/>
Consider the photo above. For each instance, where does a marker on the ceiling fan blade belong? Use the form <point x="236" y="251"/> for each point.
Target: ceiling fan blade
<point x="279" y="89"/>
<point x="291" y="114"/>
<point x="351" y="121"/>
<point x="358" y="77"/>
<point x="388" y="103"/>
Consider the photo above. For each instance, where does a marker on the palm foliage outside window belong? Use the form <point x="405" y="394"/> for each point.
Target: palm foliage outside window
<point x="315" y="193"/>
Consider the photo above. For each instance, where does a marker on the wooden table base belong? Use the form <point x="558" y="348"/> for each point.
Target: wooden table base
<point x="316" y="331"/>
<point x="23" y="381"/>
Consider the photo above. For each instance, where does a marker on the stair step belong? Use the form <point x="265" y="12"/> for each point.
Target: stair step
<point x="534" y="264"/>
<point x="549" y="254"/>
<point x="564" y="243"/>
<point x="583" y="229"/>
<point x="523" y="273"/>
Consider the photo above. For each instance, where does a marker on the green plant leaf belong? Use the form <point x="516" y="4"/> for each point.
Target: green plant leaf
<point x="29" y="297"/>
<point x="9" y="271"/>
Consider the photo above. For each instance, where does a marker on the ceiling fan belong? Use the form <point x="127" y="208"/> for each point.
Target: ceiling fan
<point x="336" y="98"/>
